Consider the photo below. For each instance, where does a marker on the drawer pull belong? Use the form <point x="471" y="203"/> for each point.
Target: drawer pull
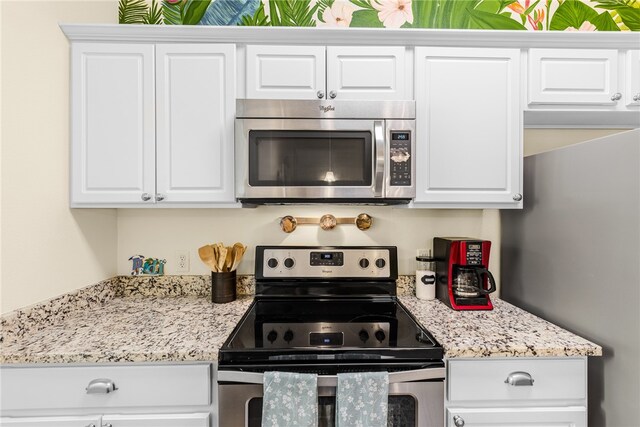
<point x="101" y="386"/>
<point x="458" y="421"/>
<point x="519" y="378"/>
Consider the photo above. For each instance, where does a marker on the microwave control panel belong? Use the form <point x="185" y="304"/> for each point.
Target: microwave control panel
<point x="400" y="158"/>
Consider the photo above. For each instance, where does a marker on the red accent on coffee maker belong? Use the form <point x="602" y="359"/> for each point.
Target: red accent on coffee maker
<point x="463" y="281"/>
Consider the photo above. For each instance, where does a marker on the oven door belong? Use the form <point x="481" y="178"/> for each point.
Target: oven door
<point x="416" y="398"/>
<point x="310" y="159"/>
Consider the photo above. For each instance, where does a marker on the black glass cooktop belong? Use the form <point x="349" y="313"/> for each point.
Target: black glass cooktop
<point x="291" y="333"/>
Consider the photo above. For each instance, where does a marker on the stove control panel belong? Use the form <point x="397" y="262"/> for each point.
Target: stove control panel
<point x="327" y="258"/>
<point x="321" y="334"/>
<point x="307" y="262"/>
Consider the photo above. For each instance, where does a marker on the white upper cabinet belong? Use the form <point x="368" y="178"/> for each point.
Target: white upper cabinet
<point x="152" y="125"/>
<point x="113" y="123"/>
<point x="366" y="72"/>
<point x="632" y="87"/>
<point x="285" y="72"/>
<point x="468" y="128"/>
<point x="316" y="72"/>
<point x="195" y="113"/>
<point x="573" y="76"/>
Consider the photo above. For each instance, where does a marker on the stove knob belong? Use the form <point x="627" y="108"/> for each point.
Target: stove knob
<point x="380" y="263"/>
<point x="364" y="335"/>
<point x="364" y="263"/>
<point x="380" y="336"/>
<point x="272" y="263"/>
<point x="288" y="336"/>
<point x="271" y="336"/>
<point x="289" y="262"/>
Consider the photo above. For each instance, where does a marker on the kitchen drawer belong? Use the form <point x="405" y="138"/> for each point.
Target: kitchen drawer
<point x="570" y="416"/>
<point x="484" y="379"/>
<point x="65" y="387"/>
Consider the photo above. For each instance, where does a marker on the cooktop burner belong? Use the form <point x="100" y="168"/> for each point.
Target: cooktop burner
<point x="328" y="310"/>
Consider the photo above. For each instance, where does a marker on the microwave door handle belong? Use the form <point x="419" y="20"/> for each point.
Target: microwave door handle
<point x="378" y="170"/>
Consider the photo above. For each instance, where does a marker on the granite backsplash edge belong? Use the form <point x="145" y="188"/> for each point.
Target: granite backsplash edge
<point x="18" y="323"/>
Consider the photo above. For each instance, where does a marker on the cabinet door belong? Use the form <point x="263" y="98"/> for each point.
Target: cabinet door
<point x="573" y="416"/>
<point x="366" y="72"/>
<point x="113" y="124"/>
<point x="469" y="132"/>
<point x="195" y="113"/>
<point x="84" y="421"/>
<point x="158" y="420"/>
<point x="633" y="79"/>
<point x="573" y="76"/>
<point x="285" y="72"/>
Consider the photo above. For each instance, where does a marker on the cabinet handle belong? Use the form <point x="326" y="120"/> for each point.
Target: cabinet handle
<point x="636" y="97"/>
<point x="90" y="425"/>
<point x="517" y="197"/>
<point x="616" y="96"/>
<point x="145" y="197"/>
<point x="458" y="421"/>
<point x="333" y="94"/>
<point x="519" y="378"/>
<point x="107" y="425"/>
<point x="320" y="94"/>
<point x="101" y="386"/>
<point x="159" y="197"/>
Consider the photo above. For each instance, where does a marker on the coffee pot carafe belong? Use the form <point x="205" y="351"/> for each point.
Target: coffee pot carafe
<point x="468" y="282"/>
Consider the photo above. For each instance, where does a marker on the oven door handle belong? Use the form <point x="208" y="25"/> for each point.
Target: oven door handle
<point x="332" y="380"/>
<point x="378" y="169"/>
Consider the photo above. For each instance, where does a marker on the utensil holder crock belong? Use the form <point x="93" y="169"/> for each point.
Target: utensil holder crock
<point x="223" y="287"/>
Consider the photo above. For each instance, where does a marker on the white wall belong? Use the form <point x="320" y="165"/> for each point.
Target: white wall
<point x="159" y="233"/>
<point x="47" y="249"/>
<point x="541" y="140"/>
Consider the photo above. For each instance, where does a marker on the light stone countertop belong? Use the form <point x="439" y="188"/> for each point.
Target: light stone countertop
<point x="505" y="331"/>
<point x="173" y="326"/>
<point x="133" y="329"/>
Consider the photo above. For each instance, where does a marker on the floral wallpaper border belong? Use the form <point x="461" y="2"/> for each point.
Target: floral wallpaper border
<point x="539" y="15"/>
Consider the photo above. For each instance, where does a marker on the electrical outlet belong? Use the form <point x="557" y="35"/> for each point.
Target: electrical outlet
<point x="182" y="261"/>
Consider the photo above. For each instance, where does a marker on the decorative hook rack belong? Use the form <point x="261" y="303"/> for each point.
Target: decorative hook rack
<point x="289" y="223"/>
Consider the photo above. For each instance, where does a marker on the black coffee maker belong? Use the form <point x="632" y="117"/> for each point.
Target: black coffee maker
<point x="463" y="281"/>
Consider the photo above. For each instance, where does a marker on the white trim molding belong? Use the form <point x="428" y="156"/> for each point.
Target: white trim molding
<point x="350" y="36"/>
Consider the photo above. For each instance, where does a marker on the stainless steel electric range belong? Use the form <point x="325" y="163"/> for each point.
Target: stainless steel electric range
<point x="329" y="310"/>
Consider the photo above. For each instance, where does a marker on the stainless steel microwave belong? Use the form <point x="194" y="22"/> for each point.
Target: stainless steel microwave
<point x="298" y="151"/>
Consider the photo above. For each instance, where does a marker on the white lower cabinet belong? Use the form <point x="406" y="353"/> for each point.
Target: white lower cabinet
<point x="517" y="391"/>
<point x="510" y="417"/>
<point x="146" y="420"/>
<point x="85" y="421"/>
<point x="142" y="395"/>
<point x="157" y="420"/>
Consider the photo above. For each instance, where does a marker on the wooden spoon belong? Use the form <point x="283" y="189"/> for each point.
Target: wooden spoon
<point x="207" y="256"/>
<point x="238" y="252"/>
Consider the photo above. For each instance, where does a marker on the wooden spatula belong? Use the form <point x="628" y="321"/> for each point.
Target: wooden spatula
<point x="222" y="256"/>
